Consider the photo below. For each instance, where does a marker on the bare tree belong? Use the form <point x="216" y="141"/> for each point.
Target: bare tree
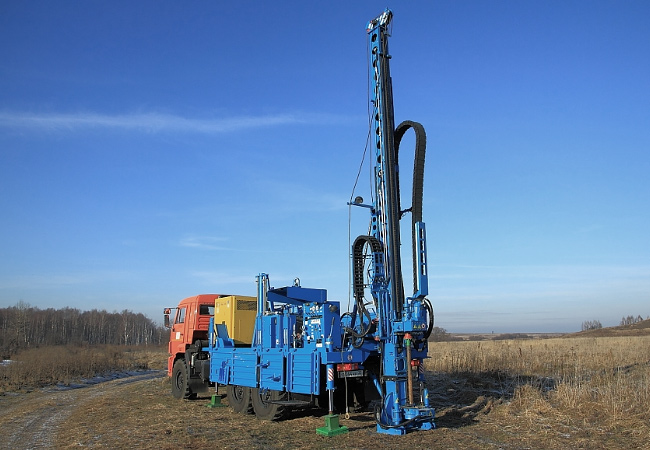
<point x="591" y="325"/>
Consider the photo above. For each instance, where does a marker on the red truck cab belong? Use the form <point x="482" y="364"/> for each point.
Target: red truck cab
<point x="189" y="333"/>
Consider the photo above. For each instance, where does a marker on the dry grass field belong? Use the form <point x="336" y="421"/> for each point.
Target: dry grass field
<point x="582" y="392"/>
<point x="586" y="392"/>
<point x="65" y="364"/>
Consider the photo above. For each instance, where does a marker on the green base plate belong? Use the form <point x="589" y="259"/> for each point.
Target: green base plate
<point x="332" y="427"/>
<point x="215" y="402"/>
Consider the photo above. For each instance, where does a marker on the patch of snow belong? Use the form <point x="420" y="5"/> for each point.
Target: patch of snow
<point x="85" y="382"/>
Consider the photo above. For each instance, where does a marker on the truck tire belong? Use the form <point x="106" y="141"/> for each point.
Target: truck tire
<point x="264" y="406"/>
<point x="180" y="380"/>
<point x="239" y="398"/>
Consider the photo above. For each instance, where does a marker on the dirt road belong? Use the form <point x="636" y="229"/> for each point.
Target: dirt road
<point x="33" y="420"/>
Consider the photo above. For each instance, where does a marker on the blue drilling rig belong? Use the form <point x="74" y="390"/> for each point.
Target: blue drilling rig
<point x="292" y="347"/>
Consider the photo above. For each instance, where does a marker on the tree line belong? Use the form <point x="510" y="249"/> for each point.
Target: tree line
<point x="630" y="320"/>
<point x="596" y="325"/>
<point x="24" y="326"/>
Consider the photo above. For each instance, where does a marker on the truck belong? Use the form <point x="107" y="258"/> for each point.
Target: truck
<point x="292" y="347"/>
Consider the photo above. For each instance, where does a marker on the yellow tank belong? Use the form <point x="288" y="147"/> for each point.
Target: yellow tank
<point x="237" y="313"/>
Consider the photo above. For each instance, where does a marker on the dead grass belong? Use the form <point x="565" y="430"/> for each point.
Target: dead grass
<point x="557" y="358"/>
<point x="582" y="391"/>
<point x="148" y="417"/>
<point x="65" y="364"/>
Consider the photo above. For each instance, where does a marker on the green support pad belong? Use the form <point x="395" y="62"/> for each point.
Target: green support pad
<point x="216" y="402"/>
<point x="332" y="427"/>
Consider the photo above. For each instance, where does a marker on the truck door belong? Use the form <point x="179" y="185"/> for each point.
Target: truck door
<point x="178" y="329"/>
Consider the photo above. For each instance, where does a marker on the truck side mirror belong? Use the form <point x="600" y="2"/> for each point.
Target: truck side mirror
<point x="166" y="317"/>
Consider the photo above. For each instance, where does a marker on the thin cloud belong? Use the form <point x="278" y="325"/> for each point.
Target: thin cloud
<point x="203" y="242"/>
<point x="156" y="122"/>
<point x="239" y="279"/>
<point x="56" y="281"/>
<point x="224" y="279"/>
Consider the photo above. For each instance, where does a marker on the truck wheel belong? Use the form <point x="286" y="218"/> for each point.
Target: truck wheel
<point x="265" y="409"/>
<point x="239" y="398"/>
<point x="180" y="382"/>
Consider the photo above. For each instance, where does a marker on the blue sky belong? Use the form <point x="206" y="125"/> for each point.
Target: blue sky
<point x="154" y="150"/>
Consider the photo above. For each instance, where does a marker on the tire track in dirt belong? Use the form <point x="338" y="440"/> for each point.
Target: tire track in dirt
<point x="33" y="422"/>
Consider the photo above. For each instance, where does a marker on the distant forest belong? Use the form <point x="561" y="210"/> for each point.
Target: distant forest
<point x="24" y="326"/>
